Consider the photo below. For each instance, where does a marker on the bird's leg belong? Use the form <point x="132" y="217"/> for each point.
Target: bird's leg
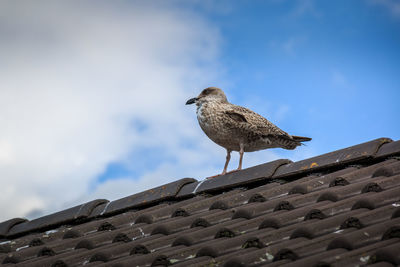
<point x="241" y="152"/>
<point x="228" y="158"/>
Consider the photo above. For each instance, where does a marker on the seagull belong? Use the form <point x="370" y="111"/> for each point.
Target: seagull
<point x="237" y="128"/>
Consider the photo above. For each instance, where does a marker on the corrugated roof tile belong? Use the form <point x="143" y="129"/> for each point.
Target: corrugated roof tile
<point x="389" y="149"/>
<point x="388" y="253"/>
<point x="56" y="219"/>
<point x="342" y="214"/>
<point x="147" y="197"/>
<point x="335" y="158"/>
<point x="7" y="225"/>
<point x="241" y="178"/>
<point x="360" y="256"/>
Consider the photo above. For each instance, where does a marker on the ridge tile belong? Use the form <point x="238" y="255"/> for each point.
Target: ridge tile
<point x="344" y="210"/>
<point x="389" y="149"/>
<point x="7" y="225"/>
<point x="335" y="158"/>
<point x="241" y="178"/>
<point x="55" y="219"/>
<point x="147" y="197"/>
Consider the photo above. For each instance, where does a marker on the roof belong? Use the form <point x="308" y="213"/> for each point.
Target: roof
<point x="340" y="208"/>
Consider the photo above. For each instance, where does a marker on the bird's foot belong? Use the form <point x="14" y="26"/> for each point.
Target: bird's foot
<point x="211" y="177"/>
<point x="223" y="173"/>
<point x="234" y="171"/>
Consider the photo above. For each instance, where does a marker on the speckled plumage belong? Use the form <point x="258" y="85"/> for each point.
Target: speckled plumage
<point x="237" y="128"/>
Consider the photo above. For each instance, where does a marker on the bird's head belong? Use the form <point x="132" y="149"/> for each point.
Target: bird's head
<point x="208" y="94"/>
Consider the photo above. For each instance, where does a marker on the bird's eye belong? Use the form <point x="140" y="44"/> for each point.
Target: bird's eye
<point x="207" y="91"/>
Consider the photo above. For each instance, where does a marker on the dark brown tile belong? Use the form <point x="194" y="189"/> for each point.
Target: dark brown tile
<point x="364" y="236"/>
<point x="7" y="225"/>
<point x="381" y="264"/>
<point x="365" y="172"/>
<point x="317" y="182"/>
<point x="247" y="257"/>
<point x="360" y="256"/>
<point x="188" y="190"/>
<point x="241" y="178"/>
<point x="352" y="211"/>
<point x="388" y="253"/>
<point x="335" y="158"/>
<point x="147" y="197"/>
<point x="389" y="149"/>
<point x="316" y="259"/>
<point x="388" y="169"/>
<point x="56" y="219"/>
<point x="196" y="262"/>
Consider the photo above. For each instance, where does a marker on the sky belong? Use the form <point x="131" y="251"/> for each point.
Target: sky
<point x="92" y="93"/>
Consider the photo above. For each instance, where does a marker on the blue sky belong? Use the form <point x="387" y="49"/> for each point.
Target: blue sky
<point x="325" y="69"/>
<point x="334" y="64"/>
<point x="92" y="96"/>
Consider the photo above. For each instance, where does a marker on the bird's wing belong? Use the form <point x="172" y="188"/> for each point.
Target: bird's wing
<point x="237" y="117"/>
<point x="257" y="123"/>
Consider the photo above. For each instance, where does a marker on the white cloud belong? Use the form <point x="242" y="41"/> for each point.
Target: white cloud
<point x="77" y="78"/>
<point x="85" y="85"/>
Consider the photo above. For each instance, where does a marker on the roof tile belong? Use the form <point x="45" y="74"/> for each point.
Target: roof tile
<point x="389" y="254"/>
<point x="7" y="225"/>
<point x="241" y="178"/>
<point x="389" y="149"/>
<point x="188" y="190"/>
<point x="56" y="219"/>
<point x="363" y="236"/>
<point x="147" y="197"/>
<point x="315" y="259"/>
<point x="335" y="158"/>
<point x="360" y="256"/>
<point x="246" y="220"/>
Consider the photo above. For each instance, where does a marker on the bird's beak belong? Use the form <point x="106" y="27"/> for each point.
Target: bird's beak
<point x="191" y="101"/>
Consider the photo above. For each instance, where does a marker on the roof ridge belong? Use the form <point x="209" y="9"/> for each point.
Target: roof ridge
<point x="282" y="170"/>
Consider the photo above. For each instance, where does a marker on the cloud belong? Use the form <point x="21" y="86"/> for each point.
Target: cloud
<point x="392" y="6"/>
<point x="87" y="86"/>
<point x="84" y="85"/>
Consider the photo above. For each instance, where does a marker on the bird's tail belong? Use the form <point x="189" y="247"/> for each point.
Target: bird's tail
<point x="301" y="138"/>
